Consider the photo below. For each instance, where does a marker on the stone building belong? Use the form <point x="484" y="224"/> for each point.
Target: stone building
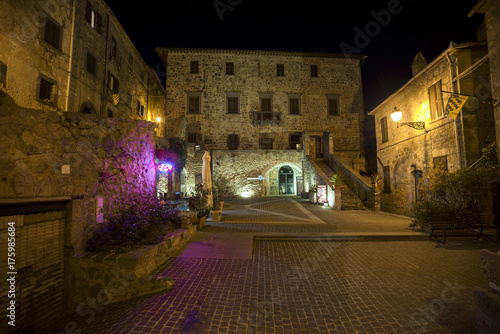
<point x="75" y="56"/>
<point x="426" y="137"/>
<point x="78" y="124"/>
<point x="491" y="11"/>
<point x="233" y="102"/>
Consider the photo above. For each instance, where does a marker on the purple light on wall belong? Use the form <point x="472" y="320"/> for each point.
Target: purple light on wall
<point x="163" y="167"/>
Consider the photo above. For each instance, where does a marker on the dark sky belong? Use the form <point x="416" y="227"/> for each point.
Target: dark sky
<point x="411" y="26"/>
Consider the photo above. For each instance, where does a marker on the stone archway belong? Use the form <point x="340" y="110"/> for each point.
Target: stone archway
<point x="87" y="108"/>
<point x="272" y="179"/>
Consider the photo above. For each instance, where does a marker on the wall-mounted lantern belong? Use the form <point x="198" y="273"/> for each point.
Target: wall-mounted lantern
<point x="396" y="117"/>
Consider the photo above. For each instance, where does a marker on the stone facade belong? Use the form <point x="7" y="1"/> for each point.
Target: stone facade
<point x="259" y="112"/>
<point x="75" y="56"/>
<point x="406" y="155"/>
<point x="230" y="89"/>
<point x="491" y="9"/>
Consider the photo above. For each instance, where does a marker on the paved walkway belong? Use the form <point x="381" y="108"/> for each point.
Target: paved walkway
<point x="283" y="265"/>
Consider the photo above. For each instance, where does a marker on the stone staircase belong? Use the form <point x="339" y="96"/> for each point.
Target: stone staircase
<point x="349" y="199"/>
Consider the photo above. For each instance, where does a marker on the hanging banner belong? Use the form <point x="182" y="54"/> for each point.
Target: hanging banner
<point x="454" y="105"/>
<point x="321" y="193"/>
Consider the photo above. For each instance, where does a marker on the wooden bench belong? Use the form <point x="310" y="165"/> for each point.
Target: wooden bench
<point x="462" y="224"/>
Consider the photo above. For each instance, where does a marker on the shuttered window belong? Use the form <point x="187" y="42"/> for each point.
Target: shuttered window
<point x="383" y="130"/>
<point x="233" y="142"/>
<point x="52" y="33"/>
<point x="436" y="100"/>
<point x="93" y="18"/>
<point x="3" y="74"/>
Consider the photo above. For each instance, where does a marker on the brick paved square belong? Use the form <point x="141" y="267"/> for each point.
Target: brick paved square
<point x="307" y="286"/>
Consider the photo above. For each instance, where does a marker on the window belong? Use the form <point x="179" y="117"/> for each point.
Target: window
<point x="333" y="105"/>
<point x="93" y="18"/>
<point x="294" y="104"/>
<point x="280" y="70"/>
<point x="52" y="33"/>
<point x="233" y="105"/>
<point x="194" y="67"/>
<point x="266" y="103"/>
<point x="194" y="138"/>
<point x="130" y="62"/>
<point x="233" y="142"/>
<point x="441" y="163"/>
<point x="91" y="65"/>
<point x="113" y="54"/>
<point x="3" y="74"/>
<point x="387" y="179"/>
<point x="140" y="109"/>
<point x="230" y="68"/>
<point x="314" y="71"/>
<point x="110" y="113"/>
<point x="194" y="103"/>
<point x="47" y="90"/>
<point x="266" y="143"/>
<point x="436" y="100"/>
<point x="383" y="129"/>
<point x="112" y="83"/>
<point x="295" y="141"/>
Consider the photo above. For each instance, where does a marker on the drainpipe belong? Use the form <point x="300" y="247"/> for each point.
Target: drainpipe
<point x="103" y="94"/>
<point x="70" y="66"/>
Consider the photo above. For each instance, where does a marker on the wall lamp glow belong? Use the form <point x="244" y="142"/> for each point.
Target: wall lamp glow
<point x="158" y="119"/>
<point x="396" y="117"/>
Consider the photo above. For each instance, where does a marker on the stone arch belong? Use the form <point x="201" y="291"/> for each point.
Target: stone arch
<point x="271" y="178"/>
<point x="87" y="108"/>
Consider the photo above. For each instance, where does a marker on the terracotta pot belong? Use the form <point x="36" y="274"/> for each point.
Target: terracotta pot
<point x="201" y="222"/>
<point x="216" y="214"/>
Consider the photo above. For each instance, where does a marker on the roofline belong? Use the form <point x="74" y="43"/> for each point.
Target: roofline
<point x="477" y="8"/>
<point x="161" y="50"/>
<point x="451" y="47"/>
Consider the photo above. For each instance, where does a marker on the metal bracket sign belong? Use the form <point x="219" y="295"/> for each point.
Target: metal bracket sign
<point x="260" y="178"/>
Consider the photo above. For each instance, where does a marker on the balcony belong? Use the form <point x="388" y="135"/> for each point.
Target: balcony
<point x="266" y="117"/>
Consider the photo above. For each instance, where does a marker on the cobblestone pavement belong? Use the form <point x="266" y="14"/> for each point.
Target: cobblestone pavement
<point x="296" y="286"/>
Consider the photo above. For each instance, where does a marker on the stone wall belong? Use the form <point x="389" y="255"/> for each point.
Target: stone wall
<point x="255" y="76"/>
<point x="491" y="9"/>
<point x="243" y="167"/>
<point x="83" y="157"/>
<point x="104" y="278"/>
<point x="408" y="150"/>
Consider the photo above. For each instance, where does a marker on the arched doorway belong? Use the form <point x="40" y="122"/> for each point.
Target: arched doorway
<point x="286" y="181"/>
<point x="87" y="108"/>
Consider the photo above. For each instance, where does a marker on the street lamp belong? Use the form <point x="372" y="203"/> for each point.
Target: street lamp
<point x="396" y="117"/>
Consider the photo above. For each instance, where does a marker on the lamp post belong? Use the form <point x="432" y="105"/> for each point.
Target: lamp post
<point x="396" y="117"/>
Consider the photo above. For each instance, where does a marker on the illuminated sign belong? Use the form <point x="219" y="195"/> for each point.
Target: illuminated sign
<point x="165" y="167"/>
<point x="321" y="189"/>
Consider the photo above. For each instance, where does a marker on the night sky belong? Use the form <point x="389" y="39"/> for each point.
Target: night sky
<point x="311" y="26"/>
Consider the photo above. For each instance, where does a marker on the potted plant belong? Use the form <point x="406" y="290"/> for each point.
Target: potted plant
<point x="219" y="191"/>
<point x="312" y="194"/>
<point x="199" y="203"/>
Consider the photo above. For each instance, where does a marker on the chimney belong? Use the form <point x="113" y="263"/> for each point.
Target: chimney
<point x="419" y="63"/>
